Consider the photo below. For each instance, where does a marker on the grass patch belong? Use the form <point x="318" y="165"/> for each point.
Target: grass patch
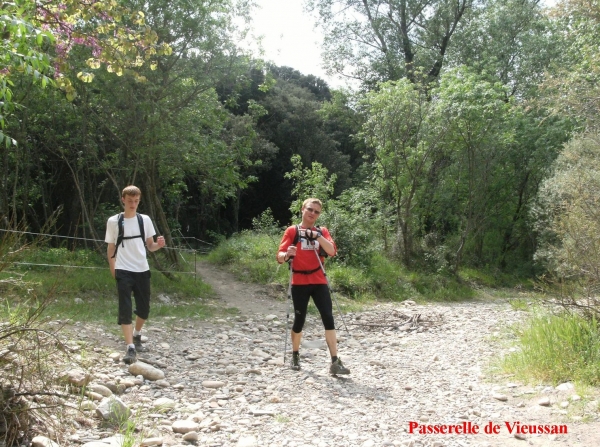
<point x="83" y="289"/>
<point x="250" y="255"/>
<point x="557" y="348"/>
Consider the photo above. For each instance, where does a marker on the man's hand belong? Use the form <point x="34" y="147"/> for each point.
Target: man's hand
<point x="155" y="245"/>
<point x="313" y="234"/>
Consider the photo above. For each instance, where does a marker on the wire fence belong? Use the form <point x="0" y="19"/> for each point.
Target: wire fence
<point x="183" y="245"/>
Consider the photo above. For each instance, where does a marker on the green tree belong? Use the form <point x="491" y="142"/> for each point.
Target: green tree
<point x="381" y="40"/>
<point x="309" y="182"/>
<point x="166" y="134"/>
<point x="479" y="130"/>
<point x="573" y="88"/>
<point x="38" y="36"/>
<point x="402" y="132"/>
<point x="509" y="41"/>
<point x="567" y="216"/>
<point x="295" y="125"/>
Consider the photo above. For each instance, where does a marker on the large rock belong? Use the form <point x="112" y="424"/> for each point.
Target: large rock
<point x="113" y="409"/>
<point x="99" y="389"/>
<point x="77" y="377"/>
<point x="164" y="403"/>
<point x="147" y="371"/>
<point x="43" y="441"/>
<point x="185" y="426"/>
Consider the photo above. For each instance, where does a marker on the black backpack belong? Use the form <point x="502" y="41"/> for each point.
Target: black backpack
<point x="121" y="227"/>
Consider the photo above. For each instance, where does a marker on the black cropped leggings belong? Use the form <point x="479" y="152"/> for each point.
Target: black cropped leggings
<point x="138" y="284"/>
<point x="322" y="299"/>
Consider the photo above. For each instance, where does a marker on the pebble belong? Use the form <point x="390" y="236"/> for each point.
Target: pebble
<point x="234" y="390"/>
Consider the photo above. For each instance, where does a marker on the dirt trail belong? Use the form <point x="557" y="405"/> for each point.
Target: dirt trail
<point x="252" y="299"/>
<point x="247" y="298"/>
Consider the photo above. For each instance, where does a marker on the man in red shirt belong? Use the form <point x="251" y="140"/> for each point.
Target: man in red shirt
<point x="300" y="245"/>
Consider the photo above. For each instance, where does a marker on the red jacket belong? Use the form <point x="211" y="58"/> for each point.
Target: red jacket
<point x="305" y="259"/>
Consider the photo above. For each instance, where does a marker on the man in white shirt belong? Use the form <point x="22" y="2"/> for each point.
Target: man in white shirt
<point x="126" y="254"/>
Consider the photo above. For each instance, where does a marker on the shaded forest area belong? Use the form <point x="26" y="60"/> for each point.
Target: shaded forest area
<point x="440" y="159"/>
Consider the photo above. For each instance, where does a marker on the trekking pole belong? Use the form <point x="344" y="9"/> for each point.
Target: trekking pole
<point x="331" y="291"/>
<point x="289" y="306"/>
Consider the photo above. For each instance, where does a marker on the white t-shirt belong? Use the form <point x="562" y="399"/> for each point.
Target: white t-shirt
<point x="131" y="255"/>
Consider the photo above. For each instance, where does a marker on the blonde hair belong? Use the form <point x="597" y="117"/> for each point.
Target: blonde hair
<point x="131" y="191"/>
<point x="312" y="200"/>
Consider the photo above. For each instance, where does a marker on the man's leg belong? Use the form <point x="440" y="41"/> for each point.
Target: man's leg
<point x="127" y="333"/>
<point x="296" y="339"/>
<point x="331" y="340"/>
<point x="322" y="299"/>
<point x="141" y="292"/>
<point x="125" y="286"/>
<point x="139" y="323"/>
<point x="300" y="297"/>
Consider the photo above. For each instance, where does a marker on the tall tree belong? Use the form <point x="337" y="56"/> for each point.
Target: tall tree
<point x="403" y="133"/>
<point x="165" y="134"/>
<point x="380" y="40"/>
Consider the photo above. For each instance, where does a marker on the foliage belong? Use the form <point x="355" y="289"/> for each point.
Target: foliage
<point x="169" y="135"/>
<point x="511" y="41"/>
<point x="294" y="124"/>
<point x="39" y="36"/>
<point x="478" y="131"/>
<point x="402" y="132"/>
<point x="557" y="348"/>
<point x="567" y="218"/>
<point x="382" y="40"/>
<point x="250" y="255"/>
<point x="572" y="89"/>
<point x="313" y="182"/>
<point x="266" y="224"/>
<point x="354" y="221"/>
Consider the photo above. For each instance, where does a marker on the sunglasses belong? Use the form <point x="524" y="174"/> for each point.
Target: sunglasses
<point x="312" y="210"/>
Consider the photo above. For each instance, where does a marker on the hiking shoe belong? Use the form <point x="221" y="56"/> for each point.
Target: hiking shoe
<point x="295" y="362"/>
<point x="137" y="341"/>
<point x="338" y="367"/>
<point x="130" y="357"/>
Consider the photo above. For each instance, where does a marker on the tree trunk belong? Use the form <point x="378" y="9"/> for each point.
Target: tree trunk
<point x="160" y="220"/>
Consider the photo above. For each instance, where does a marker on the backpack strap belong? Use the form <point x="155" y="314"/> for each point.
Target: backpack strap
<point x="322" y="252"/>
<point x="142" y="229"/>
<point x="121" y="226"/>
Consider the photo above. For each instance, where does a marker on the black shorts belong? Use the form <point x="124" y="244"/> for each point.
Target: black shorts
<point x="137" y="283"/>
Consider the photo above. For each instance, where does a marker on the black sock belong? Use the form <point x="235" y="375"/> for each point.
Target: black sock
<point x="334" y="358"/>
<point x="296" y="353"/>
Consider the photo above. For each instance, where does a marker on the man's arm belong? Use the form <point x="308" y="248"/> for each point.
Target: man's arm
<point x="327" y="245"/>
<point x="153" y="246"/>
<point x="110" y="251"/>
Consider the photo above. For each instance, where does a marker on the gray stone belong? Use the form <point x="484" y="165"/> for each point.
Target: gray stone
<point x="113" y="409"/>
<point x="184" y="426"/>
<point x="147" y="371"/>
<point x="43" y="441"/>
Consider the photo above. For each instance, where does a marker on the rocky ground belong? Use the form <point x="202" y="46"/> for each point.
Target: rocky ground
<point x="412" y="365"/>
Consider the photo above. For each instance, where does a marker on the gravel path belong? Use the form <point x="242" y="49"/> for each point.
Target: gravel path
<point x="413" y="366"/>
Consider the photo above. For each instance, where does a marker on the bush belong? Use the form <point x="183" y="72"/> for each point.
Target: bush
<point x="567" y="215"/>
